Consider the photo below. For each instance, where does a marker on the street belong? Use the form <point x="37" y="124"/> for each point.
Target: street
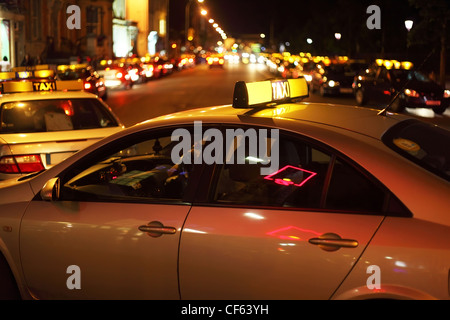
<point x="201" y="87"/>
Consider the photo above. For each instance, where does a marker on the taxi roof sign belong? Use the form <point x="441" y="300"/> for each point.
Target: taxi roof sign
<point x="39" y="85"/>
<point x="263" y="93"/>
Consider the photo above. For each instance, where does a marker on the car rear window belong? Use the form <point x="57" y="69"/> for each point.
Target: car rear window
<point x="73" y="74"/>
<point x="54" y="115"/>
<point x="422" y="143"/>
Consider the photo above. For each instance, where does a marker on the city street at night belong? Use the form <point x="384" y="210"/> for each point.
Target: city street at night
<point x="205" y="87"/>
<point x="224" y="158"/>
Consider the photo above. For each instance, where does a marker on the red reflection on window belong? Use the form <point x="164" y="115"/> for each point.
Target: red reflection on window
<point x="289" y="175"/>
<point x="68" y="108"/>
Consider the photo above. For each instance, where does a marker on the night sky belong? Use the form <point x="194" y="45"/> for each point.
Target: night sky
<point x="293" y="21"/>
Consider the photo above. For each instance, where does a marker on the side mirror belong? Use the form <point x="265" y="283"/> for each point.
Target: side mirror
<point x="50" y="191"/>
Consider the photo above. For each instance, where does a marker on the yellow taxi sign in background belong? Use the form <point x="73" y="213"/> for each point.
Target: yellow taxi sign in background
<point x="260" y="93"/>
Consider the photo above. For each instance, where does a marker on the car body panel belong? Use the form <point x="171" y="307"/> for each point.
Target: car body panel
<point x="239" y="252"/>
<point x="121" y="263"/>
<point x="244" y="246"/>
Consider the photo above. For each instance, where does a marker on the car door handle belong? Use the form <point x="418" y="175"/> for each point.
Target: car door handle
<point x="333" y="242"/>
<point x="156" y="229"/>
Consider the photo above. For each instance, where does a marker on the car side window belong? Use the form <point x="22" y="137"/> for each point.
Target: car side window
<point x="134" y="171"/>
<point x="308" y="177"/>
<point x="350" y="190"/>
<point x="297" y="182"/>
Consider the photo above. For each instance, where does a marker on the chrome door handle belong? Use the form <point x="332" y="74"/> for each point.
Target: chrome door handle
<point x="156" y="229"/>
<point x="333" y="242"/>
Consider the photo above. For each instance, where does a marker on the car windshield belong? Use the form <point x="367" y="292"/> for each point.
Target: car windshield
<point x="73" y="74"/>
<point x="54" y="115"/>
<point x="423" y="144"/>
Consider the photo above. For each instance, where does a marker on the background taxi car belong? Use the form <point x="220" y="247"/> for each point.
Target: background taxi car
<point x="348" y="191"/>
<point x="115" y="74"/>
<point x="387" y="79"/>
<point x="92" y="82"/>
<point x="45" y="121"/>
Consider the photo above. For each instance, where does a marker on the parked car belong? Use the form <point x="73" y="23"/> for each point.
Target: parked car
<point x="400" y="85"/>
<point x="265" y="199"/>
<point x="92" y="81"/>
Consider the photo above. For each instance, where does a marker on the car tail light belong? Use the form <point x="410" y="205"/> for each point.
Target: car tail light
<point x="87" y="85"/>
<point x="412" y="93"/>
<point x="447" y="94"/>
<point x="21" y="164"/>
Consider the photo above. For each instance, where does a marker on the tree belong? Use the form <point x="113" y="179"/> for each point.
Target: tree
<point x="434" y="24"/>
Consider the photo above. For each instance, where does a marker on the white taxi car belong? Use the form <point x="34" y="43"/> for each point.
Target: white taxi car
<point x="44" y="121"/>
<point x="266" y="199"/>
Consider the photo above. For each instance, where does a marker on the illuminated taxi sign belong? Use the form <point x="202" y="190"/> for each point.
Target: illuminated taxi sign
<point x="36" y="86"/>
<point x="44" y="86"/>
<point x="260" y="93"/>
<point x="7" y="75"/>
<point x="394" y="64"/>
<point x="34" y="74"/>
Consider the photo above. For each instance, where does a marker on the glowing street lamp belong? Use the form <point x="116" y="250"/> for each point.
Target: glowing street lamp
<point x="338" y="36"/>
<point x="409" y="24"/>
<point x="309" y="40"/>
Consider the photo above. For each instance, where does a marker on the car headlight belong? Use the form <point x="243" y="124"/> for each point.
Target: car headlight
<point x="412" y="93"/>
<point x="333" y="83"/>
<point x="446" y="93"/>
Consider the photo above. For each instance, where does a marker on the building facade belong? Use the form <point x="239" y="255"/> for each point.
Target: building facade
<point x="12" y="38"/>
<point x="42" y="30"/>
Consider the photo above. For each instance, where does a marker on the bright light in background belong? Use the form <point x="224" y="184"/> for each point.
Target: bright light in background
<point x="262" y="35"/>
<point x="211" y="20"/>
<point x="409" y="24"/>
<point x="204" y="12"/>
<point x="309" y="40"/>
<point x="338" y="36"/>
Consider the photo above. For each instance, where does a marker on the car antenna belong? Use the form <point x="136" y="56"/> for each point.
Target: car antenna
<point x="384" y="111"/>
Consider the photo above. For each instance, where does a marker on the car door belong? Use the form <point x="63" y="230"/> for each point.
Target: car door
<point x="292" y="234"/>
<point x="115" y="230"/>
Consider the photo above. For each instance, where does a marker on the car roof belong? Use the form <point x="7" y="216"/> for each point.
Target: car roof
<point x="360" y="120"/>
<point x="44" y="95"/>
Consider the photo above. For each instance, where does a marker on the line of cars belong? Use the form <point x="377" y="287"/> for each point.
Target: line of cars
<point x="382" y="82"/>
<point x="123" y="73"/>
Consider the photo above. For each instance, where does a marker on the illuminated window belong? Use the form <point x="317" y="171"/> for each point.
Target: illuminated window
<point x="162" y="27"/>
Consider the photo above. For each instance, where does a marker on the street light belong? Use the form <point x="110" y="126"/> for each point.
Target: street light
<point x="188" y="18"/>
<point x="338" y="36"/>
<point x="409" y="24"/>
<point x="309" y="40"/>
